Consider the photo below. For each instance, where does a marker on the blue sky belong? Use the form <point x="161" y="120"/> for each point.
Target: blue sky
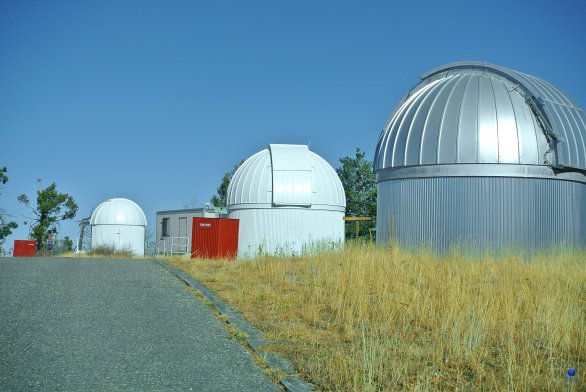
<point x="156" y="100"/>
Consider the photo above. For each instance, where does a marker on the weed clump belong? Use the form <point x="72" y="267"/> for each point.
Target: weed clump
<point x="110" y="250"/>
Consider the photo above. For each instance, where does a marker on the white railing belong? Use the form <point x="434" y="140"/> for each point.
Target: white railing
<point x="180" y="245"/>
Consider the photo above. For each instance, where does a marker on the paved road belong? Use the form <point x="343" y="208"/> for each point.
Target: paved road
<point x="103" y="324"/>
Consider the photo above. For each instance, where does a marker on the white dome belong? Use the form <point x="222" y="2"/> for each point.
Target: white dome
<point x="286" y="175"/>
<point x="118" y="211"/>
<point x="288" y="201"/>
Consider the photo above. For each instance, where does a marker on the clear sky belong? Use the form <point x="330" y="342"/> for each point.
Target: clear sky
<point x="155" y="100"/>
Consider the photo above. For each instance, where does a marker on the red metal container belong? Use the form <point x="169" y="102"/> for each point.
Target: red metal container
<point x="25" y="248"/>
<point x="214" y="238"/>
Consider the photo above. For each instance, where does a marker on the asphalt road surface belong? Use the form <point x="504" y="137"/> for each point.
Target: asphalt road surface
<point x="112" y="325"/>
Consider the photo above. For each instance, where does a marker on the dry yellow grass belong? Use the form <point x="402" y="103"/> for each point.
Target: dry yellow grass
<point x="370" y="319"/>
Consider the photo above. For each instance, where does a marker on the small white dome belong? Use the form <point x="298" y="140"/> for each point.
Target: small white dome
<point x="118" y="211"/>
<point x="286" y="175"/>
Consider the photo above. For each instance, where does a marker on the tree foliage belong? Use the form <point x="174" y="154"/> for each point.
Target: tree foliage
<point x="68" y="244"/>
<point x="3" y="177"/>
<point x="52" y="207"/>
<point x="220" y="199"/>
<point x="6" y="226"/>
<point x="359" y="181"/>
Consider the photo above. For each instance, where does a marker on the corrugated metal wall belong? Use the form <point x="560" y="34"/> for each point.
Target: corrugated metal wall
<point x="287" y="231"/>
<point x="25" y="248"/>
<point x="482" y="212"/>
<point x="214" y="238"/>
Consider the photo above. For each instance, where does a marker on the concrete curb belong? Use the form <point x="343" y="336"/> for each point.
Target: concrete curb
<point x="291" y="383"/>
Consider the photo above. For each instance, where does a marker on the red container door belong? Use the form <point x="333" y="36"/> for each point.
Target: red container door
<point x="214" y="238"/>
<point x="25" y="248"/>
<point x="228" y="241"/>
<point x="204" y="241"/>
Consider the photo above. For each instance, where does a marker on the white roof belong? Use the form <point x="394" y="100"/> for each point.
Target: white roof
<point x="286" y="175"/>
<point x="118" y="211"/>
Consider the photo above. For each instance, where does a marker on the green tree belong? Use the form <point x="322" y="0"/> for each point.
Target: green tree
<point x="220" y="199"/>
<point x="6" y="226"/>
<point x="52" y="208"/>
<point x="68" y="243"/>
<point x="359" y="181"/>
<point x="3" y="178"/>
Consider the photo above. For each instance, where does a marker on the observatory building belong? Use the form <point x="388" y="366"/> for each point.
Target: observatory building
<point x="479" y="156"/>
<point x="288" y="200"/>
<point x="120" y="223"/>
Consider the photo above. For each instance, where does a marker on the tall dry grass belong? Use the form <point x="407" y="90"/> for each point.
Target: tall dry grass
<point x="371" y="319"/>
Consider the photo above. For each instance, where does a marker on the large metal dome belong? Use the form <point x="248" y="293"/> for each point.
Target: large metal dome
<point x="479" y="156"/>
<point x="472" y="112"/>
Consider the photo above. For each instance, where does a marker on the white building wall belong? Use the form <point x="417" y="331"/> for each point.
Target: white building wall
<point x="287" y="231"/>
<point x="178" y="234"/>
<point x="123" y="237"/>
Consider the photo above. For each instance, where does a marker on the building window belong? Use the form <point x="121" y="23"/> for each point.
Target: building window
<point x="165" y="227"/>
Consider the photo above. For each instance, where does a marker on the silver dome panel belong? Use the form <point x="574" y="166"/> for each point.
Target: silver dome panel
<point x="476" y="112"/>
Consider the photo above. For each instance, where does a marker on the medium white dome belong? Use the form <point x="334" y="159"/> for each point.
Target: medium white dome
<point x="288" y="200"/>
<point x="118" y="211"/>
<point x="286" y="175"/>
